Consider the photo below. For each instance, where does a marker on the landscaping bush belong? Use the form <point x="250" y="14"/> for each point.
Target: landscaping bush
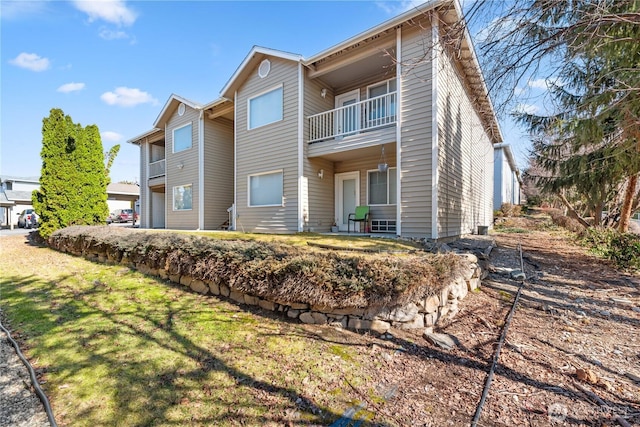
<point x="269" y="270"/>
<point x="564" y="221"/>
<point x="509" y="210"/>
<point x="621" y="248"/>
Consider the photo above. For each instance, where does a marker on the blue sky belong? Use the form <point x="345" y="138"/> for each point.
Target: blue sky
<point x="115" y="63"/>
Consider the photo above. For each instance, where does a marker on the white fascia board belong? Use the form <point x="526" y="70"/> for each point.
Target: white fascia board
<point x="507" y="151"/>
<point x="215" y="103"/>
<point x="411" y="13"/>
<point x="172" y="99"/>
<point x="136" y="139"/>
<point x="247" y="60"/>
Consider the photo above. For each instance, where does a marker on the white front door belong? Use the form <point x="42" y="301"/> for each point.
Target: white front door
<point x="347" y="196"/>
<point x="348" y="115"/>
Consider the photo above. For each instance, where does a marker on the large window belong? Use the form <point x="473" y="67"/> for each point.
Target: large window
<point x="382" y="187"/>
<point x="182" y="138"/>
<point x="265" y="108"/>
<point x="182" y="198"/>
<point x="266" y="189"/>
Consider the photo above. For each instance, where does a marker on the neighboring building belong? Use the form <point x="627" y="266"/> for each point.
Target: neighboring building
<point x="15" y="196"/>
<point x="294" y="144"/>
<point x="507" y="181"/>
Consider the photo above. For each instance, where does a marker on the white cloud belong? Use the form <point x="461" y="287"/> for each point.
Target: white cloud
<point x="113" y="35"/>
<point x="113" y="11"/>
<point x="110" y="136"/>
<point x="527" y="109"/>
<point x="71" y="87"/>
<point x="30" y="61"/>
<point x="545" y="84"/>
<point x="128" y="97"/>
<point x="19" y="9"/>
<point x="517" y="91"/>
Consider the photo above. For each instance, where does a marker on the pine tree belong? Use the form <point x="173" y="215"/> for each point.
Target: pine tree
<point x="73" y="183"/>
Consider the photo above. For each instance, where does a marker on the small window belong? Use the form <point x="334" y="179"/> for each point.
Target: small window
<point x="182" y="138"/>
<point x="266" y="189"/>
<point x="265" y="108"/>
<point x="182" y="198"/>
<point x="382" y="187"/>
<point x="382" y="109"/>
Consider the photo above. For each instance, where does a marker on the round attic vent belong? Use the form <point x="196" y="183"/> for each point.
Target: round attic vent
<point x="181" y="109"/>
<point x="265" y="67"/>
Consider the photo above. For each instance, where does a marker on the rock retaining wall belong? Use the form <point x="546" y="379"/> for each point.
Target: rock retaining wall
<point x="415" y="315"/>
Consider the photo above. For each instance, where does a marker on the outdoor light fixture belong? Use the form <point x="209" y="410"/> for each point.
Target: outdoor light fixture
<point x="321" y="173"/>
<point x="180" y="165"/>
<point x="383" y="165"/>
<point x="323" y="92"/>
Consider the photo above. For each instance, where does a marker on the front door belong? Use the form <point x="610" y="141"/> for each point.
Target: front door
<point x="347" y="196"/>
<point x="348" y="114"/>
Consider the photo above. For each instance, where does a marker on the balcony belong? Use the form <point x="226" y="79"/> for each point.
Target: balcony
<point x="353" y="119"/>
<point x="157" y="169"/>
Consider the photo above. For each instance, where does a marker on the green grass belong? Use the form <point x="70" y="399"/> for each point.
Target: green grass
<point x="120" y="348"/>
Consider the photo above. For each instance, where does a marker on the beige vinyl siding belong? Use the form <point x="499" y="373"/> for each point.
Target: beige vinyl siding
<point x="321" y="191"/>
<point x="362" y="166"/>
<point x="218" y="171"/>
<point x="465" y="157"/>
<point x="268" y="148"/>
<point x="188" y="174"/>
<point x="415" y="104"/>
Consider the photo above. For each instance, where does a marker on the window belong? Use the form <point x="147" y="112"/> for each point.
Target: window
<point x="182" y="138"/>
<point x="182" y="198"/>
<point x="265" y="108"/>
<point x="384" y="107"/>
<point x="382" y="187"/>
<point x="266" y="189"/>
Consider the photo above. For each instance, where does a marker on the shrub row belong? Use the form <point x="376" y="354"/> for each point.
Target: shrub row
<point x="621" y="248"/>
<point x="274" y="271"/>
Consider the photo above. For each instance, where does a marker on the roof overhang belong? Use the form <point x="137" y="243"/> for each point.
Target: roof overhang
<point x="255" y="56"/>
<point x="170" y="106"/>
<point x="150" y="134"/>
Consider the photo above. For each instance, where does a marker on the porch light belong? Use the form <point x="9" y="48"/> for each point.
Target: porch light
<point x="323" y="92"/>
<point x="383" y="165"/>
<point x="321" y="173"/>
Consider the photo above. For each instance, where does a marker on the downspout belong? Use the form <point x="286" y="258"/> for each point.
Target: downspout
<point x="201" y="170"/>
<point x="166" y="179"/>
<point x="145" y="184"/>
<point x="300" y="146"/>
<point x="434" y="129"/>
<point x="399" y="132"/>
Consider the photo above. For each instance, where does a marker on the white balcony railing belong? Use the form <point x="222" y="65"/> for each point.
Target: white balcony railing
<point x="351" y="119"/>
<point x="157" y="169"/>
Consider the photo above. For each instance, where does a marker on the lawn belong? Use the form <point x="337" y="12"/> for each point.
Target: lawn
<point x="116" y="347"/>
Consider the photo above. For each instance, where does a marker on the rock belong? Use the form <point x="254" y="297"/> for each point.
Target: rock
<point x="175" y="278"/>
<point x="430" y="319"/>
<point x="225" y="291"/>
<point x="199" y="286"/>
<point x="319" y="318"/>
<point x="605" y="313"/>
<point x="440" y="340"/>
<point x="251" y="300"/>
<point x="416" y="323"/>
<point x="299" y="306"/>
<point x="431" y="304"/>
<point x="307" y="317"/>
<point x="380" y="326"/>
<point x="473" y="284"/>
<point x="214" y="288"/>
<point x="267" y="305"/>
<point x="237" y="296"/>
<point x="398" y="314"/>
<point x="293" y="314"/>
<point x="518" y="275"/>
<point x="636" y="309"/>
<point x="359" y="324"/>
<point x="587" y="375"/>
<point x="186" y="280"/>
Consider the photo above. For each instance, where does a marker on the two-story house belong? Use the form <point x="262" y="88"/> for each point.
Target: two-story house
<point x="396" y="118"/>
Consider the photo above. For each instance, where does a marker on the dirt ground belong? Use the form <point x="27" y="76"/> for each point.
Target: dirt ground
<point x="571" y="355"/>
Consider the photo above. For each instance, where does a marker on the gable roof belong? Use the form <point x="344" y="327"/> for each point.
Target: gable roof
<point x="255" y="56"/>
<point x="170" y="106"/>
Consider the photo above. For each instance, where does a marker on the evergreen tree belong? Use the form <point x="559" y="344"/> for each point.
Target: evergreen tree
<point x="73" y="183"/>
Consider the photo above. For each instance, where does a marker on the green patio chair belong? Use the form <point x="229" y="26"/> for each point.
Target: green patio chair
<point x="361" y="215"/>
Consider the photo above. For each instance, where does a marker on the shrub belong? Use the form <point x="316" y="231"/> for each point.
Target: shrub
<point x="566" y="222"/>
<point x="621" y="248"/>
<point x="508" y="209"/>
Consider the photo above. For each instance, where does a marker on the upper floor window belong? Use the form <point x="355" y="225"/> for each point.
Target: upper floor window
<point x="382" y="106"/>
<point x="265" y="108"/>
<point x="382" y="187"/>
<point x="182" y="138"/>
<point x="266" y="189"/>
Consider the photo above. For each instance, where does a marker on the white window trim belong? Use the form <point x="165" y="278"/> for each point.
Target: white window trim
<point x="379" y="84"/>
<point x="272" y="172"/>
<point x="173" y="137"/>
<point x="264" y="92"/>
<point x="381" y="204"/>
<point x="173" y="198"/>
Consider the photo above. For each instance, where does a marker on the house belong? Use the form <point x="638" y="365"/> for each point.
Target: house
<point x="295" y="144"/>
<point x="507" y="180"/>
<point x="15" y="196"/>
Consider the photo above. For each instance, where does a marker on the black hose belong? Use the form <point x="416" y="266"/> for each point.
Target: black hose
<point x="496" y="356"/>
<point x="34" y="380"/>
